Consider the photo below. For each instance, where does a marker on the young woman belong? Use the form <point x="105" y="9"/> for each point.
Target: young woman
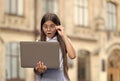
<point x="52" y="31"/>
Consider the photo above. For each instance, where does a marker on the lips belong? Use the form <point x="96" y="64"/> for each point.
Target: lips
<point x="48" y="33"/>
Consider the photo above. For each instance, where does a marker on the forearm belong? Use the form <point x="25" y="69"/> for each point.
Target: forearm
<point x="69" y="47"/>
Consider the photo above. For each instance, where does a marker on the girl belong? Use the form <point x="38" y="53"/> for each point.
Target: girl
<point x="52" y="31"/>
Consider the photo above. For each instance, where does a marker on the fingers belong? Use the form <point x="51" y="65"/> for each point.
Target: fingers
<point x="59" y="28"/>
<point x="41" y="67"/>
<point x="45" y="68"/>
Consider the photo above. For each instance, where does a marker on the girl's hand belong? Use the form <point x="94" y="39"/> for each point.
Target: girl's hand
<point x="41" y="67"/>
<point x="60" y="30"/>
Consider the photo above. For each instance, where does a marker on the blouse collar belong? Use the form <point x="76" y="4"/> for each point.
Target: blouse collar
<point x="51" y="39"/>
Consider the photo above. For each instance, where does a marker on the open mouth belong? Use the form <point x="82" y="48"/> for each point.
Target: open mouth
<point x="48" y="33"/>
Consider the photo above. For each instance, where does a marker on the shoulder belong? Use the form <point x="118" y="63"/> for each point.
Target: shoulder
<point x="37" y="40"/>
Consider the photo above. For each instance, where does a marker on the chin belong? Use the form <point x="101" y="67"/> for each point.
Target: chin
<point x="50" y="36"/>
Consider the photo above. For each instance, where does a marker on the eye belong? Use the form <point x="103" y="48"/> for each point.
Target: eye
<point x="45" y="26"/>
<point x="52" y="26"/>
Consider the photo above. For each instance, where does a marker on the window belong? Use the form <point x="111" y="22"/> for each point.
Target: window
<point x="81" y="12"/>
<point x="13" y="68"/>
<point x="83" y="66"/>
<point x="111" y="17"/>
<point x="14" y="7"/>
<point x="49" y="6"/>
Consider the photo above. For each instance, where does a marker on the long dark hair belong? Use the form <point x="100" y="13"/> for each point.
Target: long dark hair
<point x="54" y="18"/>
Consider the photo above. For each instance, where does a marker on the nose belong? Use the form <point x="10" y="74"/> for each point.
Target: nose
<point x="48" y="28"/>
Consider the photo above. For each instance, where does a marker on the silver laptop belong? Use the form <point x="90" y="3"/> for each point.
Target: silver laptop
<point x="33" y="52"/>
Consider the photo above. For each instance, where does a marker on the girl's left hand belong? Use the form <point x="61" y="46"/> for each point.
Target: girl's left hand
<point x="41" y="67"/>
<point x="60" y="30"/>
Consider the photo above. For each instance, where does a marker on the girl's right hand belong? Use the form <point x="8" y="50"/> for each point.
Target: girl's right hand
<point x="41" y="67"/>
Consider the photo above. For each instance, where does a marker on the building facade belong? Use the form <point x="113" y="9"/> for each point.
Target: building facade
<point x="92" y="25"/>
<point x="16" y="24"/>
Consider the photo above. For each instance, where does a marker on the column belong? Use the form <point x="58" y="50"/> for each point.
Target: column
<point x="2" y="60"/>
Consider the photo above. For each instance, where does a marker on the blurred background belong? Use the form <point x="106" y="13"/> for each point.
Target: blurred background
<point x="92" y="25"/>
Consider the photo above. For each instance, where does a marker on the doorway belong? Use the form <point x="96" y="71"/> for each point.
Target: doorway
<point x="113" y="72"/>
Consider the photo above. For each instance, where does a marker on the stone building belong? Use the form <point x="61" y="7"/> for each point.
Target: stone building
<point x="92" y="25"/>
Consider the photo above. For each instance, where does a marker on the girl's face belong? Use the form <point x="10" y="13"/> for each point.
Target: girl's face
<point x="49" y="28"/>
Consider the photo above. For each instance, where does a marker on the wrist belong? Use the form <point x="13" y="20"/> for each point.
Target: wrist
<point x="64" y="36"/>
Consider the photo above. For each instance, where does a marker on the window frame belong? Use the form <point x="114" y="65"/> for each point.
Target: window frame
<point x="83" y="65"/>
<point x="18" y="10"/>
<point x="111" y="16"/>
<point x="49" y="8"/>
<point x="83" y="9"/>
<point x="13" y="55"/>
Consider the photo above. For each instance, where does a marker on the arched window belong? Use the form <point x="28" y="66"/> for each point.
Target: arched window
<point x="83" y="65"/>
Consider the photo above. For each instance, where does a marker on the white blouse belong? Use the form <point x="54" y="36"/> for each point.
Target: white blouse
<point x="54" y="39"/>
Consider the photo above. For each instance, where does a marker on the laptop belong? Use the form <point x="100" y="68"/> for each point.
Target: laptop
<point x="33" y="52"/>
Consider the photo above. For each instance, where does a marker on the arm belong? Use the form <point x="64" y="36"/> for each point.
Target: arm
<point x="69" y="47"/>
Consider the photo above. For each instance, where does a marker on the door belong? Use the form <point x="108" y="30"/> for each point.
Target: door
<point x="113" y="72"/>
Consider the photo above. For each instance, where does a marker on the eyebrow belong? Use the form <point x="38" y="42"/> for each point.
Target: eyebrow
<point x="49" y="25"/>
